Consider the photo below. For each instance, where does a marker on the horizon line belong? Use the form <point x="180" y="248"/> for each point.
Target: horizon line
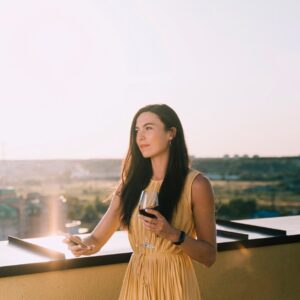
<point x="116" y="158"/>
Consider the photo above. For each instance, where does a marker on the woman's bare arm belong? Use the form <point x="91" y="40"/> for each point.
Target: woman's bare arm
<point x="109" y="223"/>
<point x="204" y="249"/>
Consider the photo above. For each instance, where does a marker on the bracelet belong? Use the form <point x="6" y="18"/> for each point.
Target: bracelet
<point x="181" y="238"/>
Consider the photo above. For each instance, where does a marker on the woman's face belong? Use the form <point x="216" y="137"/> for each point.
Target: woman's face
<point x="151" y="136"/>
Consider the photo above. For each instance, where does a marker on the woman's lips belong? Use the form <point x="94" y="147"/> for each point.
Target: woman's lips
<point x="144" y="146"/>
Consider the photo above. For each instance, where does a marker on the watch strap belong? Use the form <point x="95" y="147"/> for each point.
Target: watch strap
<point x="181" y="238"/>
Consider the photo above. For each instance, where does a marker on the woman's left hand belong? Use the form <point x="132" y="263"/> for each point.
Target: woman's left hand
<point x="159" y="225"/>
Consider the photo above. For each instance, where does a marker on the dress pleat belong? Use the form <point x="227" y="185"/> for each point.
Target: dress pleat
<point x="161" y="271"/>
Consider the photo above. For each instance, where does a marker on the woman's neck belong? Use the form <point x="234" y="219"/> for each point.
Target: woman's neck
<point x="159" y="166"/>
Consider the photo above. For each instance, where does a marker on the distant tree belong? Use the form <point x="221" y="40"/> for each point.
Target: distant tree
<point x="75" y="208"/>
<point x="237" y="208"/>
<point x="90" y="214"/>
<point x="100" y="206"/>
<point x="253" y="169"/>
<point x="273" y="197"/>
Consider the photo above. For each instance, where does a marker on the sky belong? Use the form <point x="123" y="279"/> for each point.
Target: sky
<point x="73" y="74"/>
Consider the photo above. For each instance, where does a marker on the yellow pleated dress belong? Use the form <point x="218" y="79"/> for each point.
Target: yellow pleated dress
<point x="161" y="271"/>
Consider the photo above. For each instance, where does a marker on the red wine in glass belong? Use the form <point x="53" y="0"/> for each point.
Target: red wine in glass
<point x="148" y="199"/>
<point x="144" y="213"/>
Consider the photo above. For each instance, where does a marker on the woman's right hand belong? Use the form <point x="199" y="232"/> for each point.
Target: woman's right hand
<point x="79" y="247"/>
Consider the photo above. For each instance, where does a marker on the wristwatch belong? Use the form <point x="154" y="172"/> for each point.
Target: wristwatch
<point x="181" y="238"/>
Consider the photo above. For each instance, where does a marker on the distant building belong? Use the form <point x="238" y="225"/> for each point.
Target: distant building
<point x="32" y="216"/>
<point x="10" y="213"/>
<point x="80" y="173"/>
<point x="8" y="194"/>
<point x="216" y="176"/>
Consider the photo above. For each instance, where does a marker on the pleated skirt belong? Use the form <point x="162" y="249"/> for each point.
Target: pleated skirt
<point x="160" y="276"/>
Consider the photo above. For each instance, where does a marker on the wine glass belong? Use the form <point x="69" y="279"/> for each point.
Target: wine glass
<point x="148" y="199"/>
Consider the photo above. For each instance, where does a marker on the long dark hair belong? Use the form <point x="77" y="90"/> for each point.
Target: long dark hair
<point x="137" y="170"/>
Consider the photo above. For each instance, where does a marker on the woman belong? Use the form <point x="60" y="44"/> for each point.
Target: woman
<point x="183" y="227"/>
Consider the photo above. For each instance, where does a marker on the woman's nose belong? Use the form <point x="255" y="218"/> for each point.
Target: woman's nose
<point x="140" y="135"/>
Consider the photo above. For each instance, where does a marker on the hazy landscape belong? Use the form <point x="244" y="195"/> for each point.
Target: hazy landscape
<point x="244" y="187"/>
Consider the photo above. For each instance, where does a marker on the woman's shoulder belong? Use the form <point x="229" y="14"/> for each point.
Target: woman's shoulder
<point x="193" y="173"/>
<point x="202" y="190"/>
<point x="196" y="184"/>
<point x="190" y="178"/>
<point x="198" y="179"/>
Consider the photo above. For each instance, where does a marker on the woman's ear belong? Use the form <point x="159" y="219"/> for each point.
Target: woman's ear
<point x="173" y="131"/>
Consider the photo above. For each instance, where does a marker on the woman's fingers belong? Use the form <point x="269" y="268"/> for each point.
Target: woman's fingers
<point x="157" y="224"/>
<point x="154" y="212"/>
<point x="148" y="221"/>
<point x="76" y="246"/>
<point x="157" y="216"/>
<point x="78" y="250"/>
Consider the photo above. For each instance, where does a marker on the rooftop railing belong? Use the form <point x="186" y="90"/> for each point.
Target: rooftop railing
<point x="257" y="259"/>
